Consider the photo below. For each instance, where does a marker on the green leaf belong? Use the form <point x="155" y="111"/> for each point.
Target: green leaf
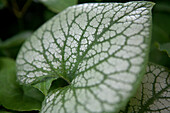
<point x="153" y="94"/>
<point x="16" y="40"/>
<point x="11" y="46"/>
<point x="164" y="47"/>
<point x="97" y="49"/>
<point x="58" y="5"/>
<point x="12" y="95"/>
<point x="44" y="86"/>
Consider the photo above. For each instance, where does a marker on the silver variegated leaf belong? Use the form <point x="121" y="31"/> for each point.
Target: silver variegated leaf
<point x="100" y="49"/>
<point x="153" y="96"/>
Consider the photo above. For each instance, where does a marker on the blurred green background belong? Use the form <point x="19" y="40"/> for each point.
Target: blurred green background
<point x="20" y="18"/>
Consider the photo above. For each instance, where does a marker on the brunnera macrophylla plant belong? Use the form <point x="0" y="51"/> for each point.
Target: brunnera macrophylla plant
<point x="99" y="51"/>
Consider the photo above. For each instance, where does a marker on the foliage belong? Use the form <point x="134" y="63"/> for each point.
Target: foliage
<point x="87" y="58"/>
<point x="14" y="96"/>
<point x="58" y="5"/>
<point x="153" y="92"/>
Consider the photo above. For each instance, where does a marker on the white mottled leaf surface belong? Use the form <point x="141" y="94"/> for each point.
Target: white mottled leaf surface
<point x="99" y="49"/>
<point x="153" y="96"/>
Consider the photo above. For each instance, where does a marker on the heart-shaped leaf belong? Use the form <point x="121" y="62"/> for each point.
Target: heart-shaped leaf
<point x="100" y="50"/>
<point x="153" y="94"/>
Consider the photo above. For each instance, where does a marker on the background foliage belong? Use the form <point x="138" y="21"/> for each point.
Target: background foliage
<point x="19" y="18"/>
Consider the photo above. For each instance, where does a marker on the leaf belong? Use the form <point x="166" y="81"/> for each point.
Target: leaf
<point x="164" y="47"/>
<point x="153" y="94"/>
<point x="158" y="56"/>
<point x="11" y="46"/>
<point x="16" y="39"/>
<point x="97" y="49"/>
<point x="44" y="86"/>
<point x="58" y="5"/>
<point x="12" y="95"/>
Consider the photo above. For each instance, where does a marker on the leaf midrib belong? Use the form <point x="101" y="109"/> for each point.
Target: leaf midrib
<point x="100" y="35"/>
<point x="79" y="58"/>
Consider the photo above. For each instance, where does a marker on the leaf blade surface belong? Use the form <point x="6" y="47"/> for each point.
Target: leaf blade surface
<point x="98" y="49"/>
<point x="153" y="94"/>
